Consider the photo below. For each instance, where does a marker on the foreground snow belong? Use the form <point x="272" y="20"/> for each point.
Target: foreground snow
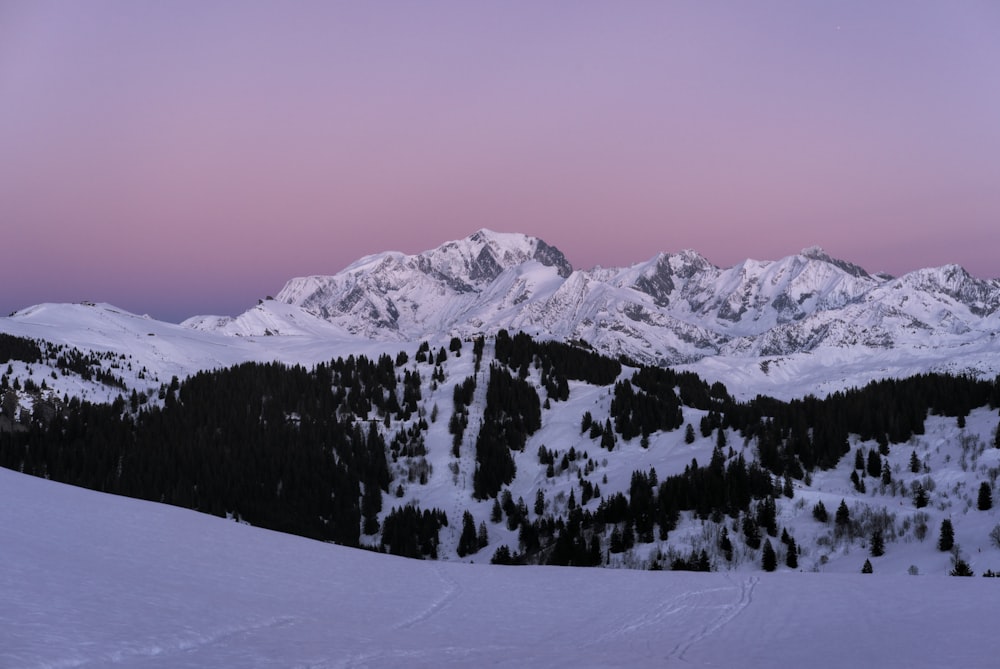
<point x="94" y="580"/>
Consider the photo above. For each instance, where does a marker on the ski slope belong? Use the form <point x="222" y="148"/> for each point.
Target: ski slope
<point x="92" y="580"/>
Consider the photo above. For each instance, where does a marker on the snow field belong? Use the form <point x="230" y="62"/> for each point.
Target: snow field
<point x="92" y="580"/>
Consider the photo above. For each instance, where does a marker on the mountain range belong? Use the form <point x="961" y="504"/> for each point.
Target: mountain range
<point x="807" y="323"/>
<point x="673" y="309"/>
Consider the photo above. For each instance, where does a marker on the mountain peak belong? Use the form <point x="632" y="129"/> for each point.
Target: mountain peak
<point x="817" y="253"/>
<point x="514" y="246"/>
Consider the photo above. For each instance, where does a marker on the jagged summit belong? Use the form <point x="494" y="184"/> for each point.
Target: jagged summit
<point x="817" y="253"/>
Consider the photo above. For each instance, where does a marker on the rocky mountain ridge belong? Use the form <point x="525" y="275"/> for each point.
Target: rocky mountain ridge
<point x="672" y="309"/>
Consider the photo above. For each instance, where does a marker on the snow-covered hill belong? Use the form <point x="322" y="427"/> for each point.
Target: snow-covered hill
<point x="91" y="580"/>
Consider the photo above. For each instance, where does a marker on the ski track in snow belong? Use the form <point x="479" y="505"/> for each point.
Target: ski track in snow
<point x="681" y="606"/>
<point x="402" y="657"/>
<point x="452" y="589"/>
<point x="166" y="647"/>
<point x="729" y="613"/>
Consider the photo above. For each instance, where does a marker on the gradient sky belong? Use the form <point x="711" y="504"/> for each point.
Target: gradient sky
<point x="181" y="158"/>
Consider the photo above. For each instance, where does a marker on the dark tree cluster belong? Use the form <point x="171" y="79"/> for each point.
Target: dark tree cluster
<point x="462" y="398"/>
<point x="638" y="413"/>
<point x="513" y="412"/>
<point x="727" y="487"/>
<point x="261" y="442"/>
<point x="410" y="532"/>
<point x="800" y="435"/>
<point x="19" y="348"/>
<point x="89" y="366"/>
<point x="559" y="362"/>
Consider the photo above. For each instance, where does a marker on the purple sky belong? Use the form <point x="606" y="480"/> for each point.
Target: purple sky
<point x="178" y="158"/>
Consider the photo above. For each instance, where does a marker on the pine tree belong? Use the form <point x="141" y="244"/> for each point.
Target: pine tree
<point x="608" y="436"/>
<point x="689" y="434"/>
<point x="483" y="538"/>
<point x="867" y="567"/>
<point x="985" y="497"/>
<point x="468" y="542"/>
<point x="946" y="540"/>
<point x="819" y="512"/>
<point x="769" y="560"/>
<point x="792" y="556"/>
<point x="496" y="513"/>
<point x="843" y="516"/>
<point x="539" y="502"/>
<point x="920" y="497"/>
<point x="878" y="544"/>
<point x="914" y="462"/>
<point x="874" y="464"/>
<point x="960" y="568"/>
<point x="767" y="516"/>
<point x="751" y="532"/>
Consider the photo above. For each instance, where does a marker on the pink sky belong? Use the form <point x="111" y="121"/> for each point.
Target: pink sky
<point x="178" y="158"/>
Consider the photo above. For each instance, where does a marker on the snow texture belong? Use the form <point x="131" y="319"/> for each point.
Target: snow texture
<point x="91" y="580"/>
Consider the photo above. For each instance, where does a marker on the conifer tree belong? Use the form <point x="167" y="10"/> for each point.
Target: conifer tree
<point x="608" y="436"/>
<point x="769" y="560"/>
<point x="689" y="434"/>
<point x="874" y="465"/>
<point x="985" y="502"/>
<point x="960" y="568"/>
<point x="496" y="512"/>
<point x="792" y="555"/>
<point x="819" y="512"/>
<point x="751" y="531"/>
<point x="788" y="488"/>
<point x="468" y="543"/>
<point x="539" y="502"/>
<point x="867" y="567"/>
<point x="483" y="537"/>
<point x="914" y="463"/>
<point x="946" y="540"/>
<point x="843" y="516"/>
<point x="878" y="544"/>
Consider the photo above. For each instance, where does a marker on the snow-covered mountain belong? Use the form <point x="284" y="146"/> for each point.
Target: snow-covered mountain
<point x="807" y="323"/>
<point x="673" y="309"/>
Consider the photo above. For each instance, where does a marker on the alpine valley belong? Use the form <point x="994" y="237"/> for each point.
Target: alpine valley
<point x="486" y="402"/>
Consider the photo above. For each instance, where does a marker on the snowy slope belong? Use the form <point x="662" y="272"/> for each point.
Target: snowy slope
<point x="148" y="352"/>
<point x="91" y="580"/>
